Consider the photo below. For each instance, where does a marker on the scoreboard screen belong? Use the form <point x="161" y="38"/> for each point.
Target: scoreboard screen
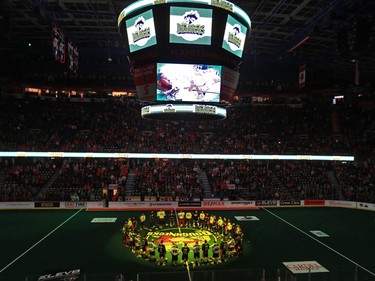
<point x="189" y="25"/>
<point x="185" y="56"/>
<point x="234" y="36"/>
<point x="141" y="31"/>
<point x="188" y="82"/>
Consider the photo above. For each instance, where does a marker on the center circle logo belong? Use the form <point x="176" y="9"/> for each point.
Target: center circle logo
<point x="188" y="236"/>
<point x="183" y="238"/>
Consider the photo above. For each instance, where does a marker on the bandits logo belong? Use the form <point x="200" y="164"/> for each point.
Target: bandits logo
<point x="216" y="239"/>
<point x="188" y="28"/>
<point x="189" y="236"/>
<point x="233" y="37"/>
<point x="140" y="31"/>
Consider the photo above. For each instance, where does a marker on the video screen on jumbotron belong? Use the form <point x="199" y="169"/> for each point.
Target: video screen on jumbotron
<point x="189" y="25"/>
<point x="234" y="36"/>
<point x="141" y="31"/>
<point x="188" y="82"/>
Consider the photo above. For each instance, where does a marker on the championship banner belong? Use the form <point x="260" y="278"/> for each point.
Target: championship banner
<point x="58" y="43"/>
<point x="73" y="56"/>
<point x="302" y="76"/>
<point x="300" y="267"/>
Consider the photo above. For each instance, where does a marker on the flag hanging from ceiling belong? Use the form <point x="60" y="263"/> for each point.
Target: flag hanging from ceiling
<point x="356" y="75"/>
<point x="73" y="56"/>
<point x="58" y="43"/>
<point x="302" y="76"/>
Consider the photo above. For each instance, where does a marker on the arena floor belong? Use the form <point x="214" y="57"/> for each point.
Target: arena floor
<point x="35" y="243"/>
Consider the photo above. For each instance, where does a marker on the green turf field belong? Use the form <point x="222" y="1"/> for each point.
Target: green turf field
<point x="37" y="242"/>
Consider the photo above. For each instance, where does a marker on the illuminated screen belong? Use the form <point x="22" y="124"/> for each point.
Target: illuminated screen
<point x="188" y="82"/>
<point x="234" y="36"/>
<point x="190" y="25"/>
<point x="141" y="31"/>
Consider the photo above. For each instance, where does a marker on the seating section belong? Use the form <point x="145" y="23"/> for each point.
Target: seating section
<point x="115" y="125"/>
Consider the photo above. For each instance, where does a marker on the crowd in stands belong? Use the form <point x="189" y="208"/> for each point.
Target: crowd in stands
<point x="115" y="125"/>
<point x="357" y="181"/>
<point x="243" y="179"/>
<point x="85" y="180"/>
<point x="24" y="181"/>
<point x="306" y="180"/>
<point x="167" y="179"/>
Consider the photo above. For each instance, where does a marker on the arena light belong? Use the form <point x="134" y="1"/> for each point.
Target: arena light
<point x="31" y="154"/>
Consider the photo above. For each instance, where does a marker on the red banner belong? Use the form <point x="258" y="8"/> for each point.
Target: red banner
<point x="314" y="202"/>
<point x="302" y="76"/>
<point x="58" y="43"/>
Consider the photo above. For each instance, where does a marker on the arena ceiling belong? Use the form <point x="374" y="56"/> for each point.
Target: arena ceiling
<point x="326" y="35"/>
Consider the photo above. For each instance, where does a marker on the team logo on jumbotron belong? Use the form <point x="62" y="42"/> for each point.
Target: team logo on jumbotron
<point x="141" y="32"/>
<point x="189" y="28"/>
<point x="190" y="236"/>
<point x="233" y="37"/>
<point x="169" y="108"/>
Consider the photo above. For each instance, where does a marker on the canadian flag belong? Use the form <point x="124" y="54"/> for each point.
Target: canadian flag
<point x="302" y="76"/>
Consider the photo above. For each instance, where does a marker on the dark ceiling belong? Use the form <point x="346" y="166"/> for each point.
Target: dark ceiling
<point x="337" y="32"/>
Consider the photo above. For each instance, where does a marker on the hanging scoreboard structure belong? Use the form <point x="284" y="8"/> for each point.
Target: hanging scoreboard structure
<point x="185" y="53"/>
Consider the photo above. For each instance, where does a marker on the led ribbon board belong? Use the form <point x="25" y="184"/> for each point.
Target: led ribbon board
<point x="226" y="5"/>
<point x="175" y="156"/>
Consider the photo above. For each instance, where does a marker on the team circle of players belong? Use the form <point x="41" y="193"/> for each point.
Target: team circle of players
<point x="229" y="242"/>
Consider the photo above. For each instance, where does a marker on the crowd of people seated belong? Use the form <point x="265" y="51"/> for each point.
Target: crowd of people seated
<point x="357" y="181"/>
<point x="115" y="125"/>
<point x="169" y="179"/>
<point x="306" y="180"/>
<point x="24" y="181"/>
<point x="243" y="179"/>
<point x="85" y="180"/>
<point x="166" y="179"/>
